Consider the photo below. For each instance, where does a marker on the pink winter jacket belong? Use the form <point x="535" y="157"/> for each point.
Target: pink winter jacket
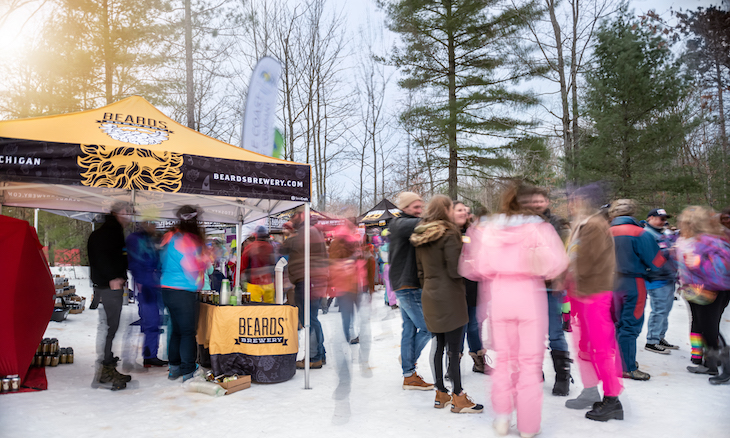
<point x="520" y="247"/>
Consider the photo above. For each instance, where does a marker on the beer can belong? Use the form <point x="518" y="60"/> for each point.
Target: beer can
<point x="5" y="385"/>
<point x="15" y="383"/>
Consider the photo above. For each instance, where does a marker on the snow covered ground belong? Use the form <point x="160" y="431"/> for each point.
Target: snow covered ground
<point x="674" y="403"/>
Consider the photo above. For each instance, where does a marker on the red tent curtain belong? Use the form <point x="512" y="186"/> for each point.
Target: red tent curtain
<point x="27" y="293"/>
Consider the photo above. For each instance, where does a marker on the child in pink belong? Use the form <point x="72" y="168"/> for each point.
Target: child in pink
<point x="514" y="253"/>
<point x="591" y="278"/>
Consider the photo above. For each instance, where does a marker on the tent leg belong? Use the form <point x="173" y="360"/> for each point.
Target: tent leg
<point x="307" y="294"/>
<point x="35" y="220"/>
<point x="239" y="250"/>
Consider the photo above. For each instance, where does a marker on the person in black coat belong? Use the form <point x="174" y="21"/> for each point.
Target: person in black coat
<point x="108" y="265"/>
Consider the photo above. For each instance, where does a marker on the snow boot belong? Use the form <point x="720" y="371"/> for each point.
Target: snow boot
<point x="725" y="362"/>
<point x="109" y="375"/>
<point x="191" y="374"/>
<point x="462" y="404"/>
<point x="443" y="399"/>
<point x="154" y="362"/>
<point x="561" y="363"/>
<point x="174" y="372"/>
<point x="479" y="362"/>
<point x="585" y="400"/>
<point x="608" y="409"/>
<point x="710" y="365"/>
<point x="120" y="376"/>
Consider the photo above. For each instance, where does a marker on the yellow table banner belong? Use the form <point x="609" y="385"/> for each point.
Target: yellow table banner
<point x="265" y="330"/>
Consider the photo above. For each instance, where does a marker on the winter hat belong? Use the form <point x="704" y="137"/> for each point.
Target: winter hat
<point x="407" y="198"/>
<point x="261" y="233"/>
<point x="188" y="212"/>
<point x="622" y="207"/>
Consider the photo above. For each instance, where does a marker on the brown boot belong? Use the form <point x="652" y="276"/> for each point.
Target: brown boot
<point x="462" y="404"/>
<point x="478" y="358"/>
<point x="414" y="381"/>
<point x="443" y="399"/>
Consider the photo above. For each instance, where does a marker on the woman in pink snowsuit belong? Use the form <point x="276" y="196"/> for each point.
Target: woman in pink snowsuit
<point x="512" y="254"/>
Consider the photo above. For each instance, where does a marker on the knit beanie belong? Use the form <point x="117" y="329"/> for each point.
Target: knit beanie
<point x="407" y="198"/>
<point x="622" y="207"/>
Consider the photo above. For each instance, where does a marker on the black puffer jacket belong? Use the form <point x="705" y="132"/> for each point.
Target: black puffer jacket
<point x="402" y="255"/>
<point x="107" y="253"/>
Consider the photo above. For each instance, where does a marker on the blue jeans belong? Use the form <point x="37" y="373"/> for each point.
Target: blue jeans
<point x="347" y="302"/>
<point x="183" y="307"/>
<point x="316" y="346"/>
<point x="662" y="300"/>
<point x="415" y="335"/>
<point x="471" y="332"/>
<point x="555" y="323"/>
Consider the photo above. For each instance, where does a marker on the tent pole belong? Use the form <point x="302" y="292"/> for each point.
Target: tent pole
<point x="35" y="220"/>
<point x="307" y="294"/>
<point x="239" y="250"/>
<point x="134" y="208"/>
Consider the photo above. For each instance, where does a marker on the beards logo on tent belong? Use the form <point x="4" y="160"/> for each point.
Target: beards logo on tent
<point x="130" y="168"/>
<point x="134" y="134"/>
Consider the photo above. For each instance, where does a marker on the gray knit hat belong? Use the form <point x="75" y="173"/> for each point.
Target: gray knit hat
<point x="622" y="207"/>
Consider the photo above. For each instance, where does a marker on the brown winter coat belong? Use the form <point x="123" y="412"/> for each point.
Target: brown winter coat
<point x="438" y="247"/>
<point x="592" y="256"/>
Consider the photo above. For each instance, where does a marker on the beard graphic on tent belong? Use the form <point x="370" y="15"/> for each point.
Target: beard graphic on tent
<point x="130" y="168"/>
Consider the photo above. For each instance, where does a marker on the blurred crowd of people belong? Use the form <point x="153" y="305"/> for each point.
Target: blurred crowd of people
<point x="508" y="282"/>
<point x="528" y="267"/>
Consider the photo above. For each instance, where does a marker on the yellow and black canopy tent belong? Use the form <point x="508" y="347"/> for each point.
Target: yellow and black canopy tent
<point x="380" y="215"/>
<point x="130" y="150"/>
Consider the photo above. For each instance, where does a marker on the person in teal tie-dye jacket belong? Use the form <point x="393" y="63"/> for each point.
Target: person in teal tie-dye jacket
<point x="183" y="261"/>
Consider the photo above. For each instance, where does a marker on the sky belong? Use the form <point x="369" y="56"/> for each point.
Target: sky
<point x="358" y="15"/>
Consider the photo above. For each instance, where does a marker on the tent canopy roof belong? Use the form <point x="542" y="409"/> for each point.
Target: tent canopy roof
<point x="129" y="150"/>
<point x="383" y="211"/>
<point x="135" y="112"/>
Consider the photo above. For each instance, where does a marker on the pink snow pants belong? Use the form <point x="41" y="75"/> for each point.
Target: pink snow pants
<point x="519" y="321"/>
<point x="595" y="336"/>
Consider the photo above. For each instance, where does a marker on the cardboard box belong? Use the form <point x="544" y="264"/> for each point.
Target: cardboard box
<point x="242" y="382"/>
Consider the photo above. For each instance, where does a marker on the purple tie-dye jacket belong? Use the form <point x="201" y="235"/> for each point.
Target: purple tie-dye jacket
<point x="704" y="260"/>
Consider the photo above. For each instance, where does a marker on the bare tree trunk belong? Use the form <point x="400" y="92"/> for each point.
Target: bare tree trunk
<point x="567" y="137"/>
<point x="108" y="63"/>
<point x="451" y="128"/>
<point x="574" y="61"/>
<point x="723" y="133"/>
<point x="189" y="78"/>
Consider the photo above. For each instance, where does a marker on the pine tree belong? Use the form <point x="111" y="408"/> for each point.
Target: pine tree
<point x="89" y="53"/>
<point x="633" y="93"/>
<point x="708" y="56"/>
<point x="459" y="53"/>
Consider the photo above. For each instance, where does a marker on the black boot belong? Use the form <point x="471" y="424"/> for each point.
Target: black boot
<point x="725" y="363"/>
<point x="561" y="363"/>
<point x="608" y="409"/>
<point x="710" y="364"/>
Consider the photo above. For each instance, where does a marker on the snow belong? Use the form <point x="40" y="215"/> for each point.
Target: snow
<point x="674" y="403"/>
